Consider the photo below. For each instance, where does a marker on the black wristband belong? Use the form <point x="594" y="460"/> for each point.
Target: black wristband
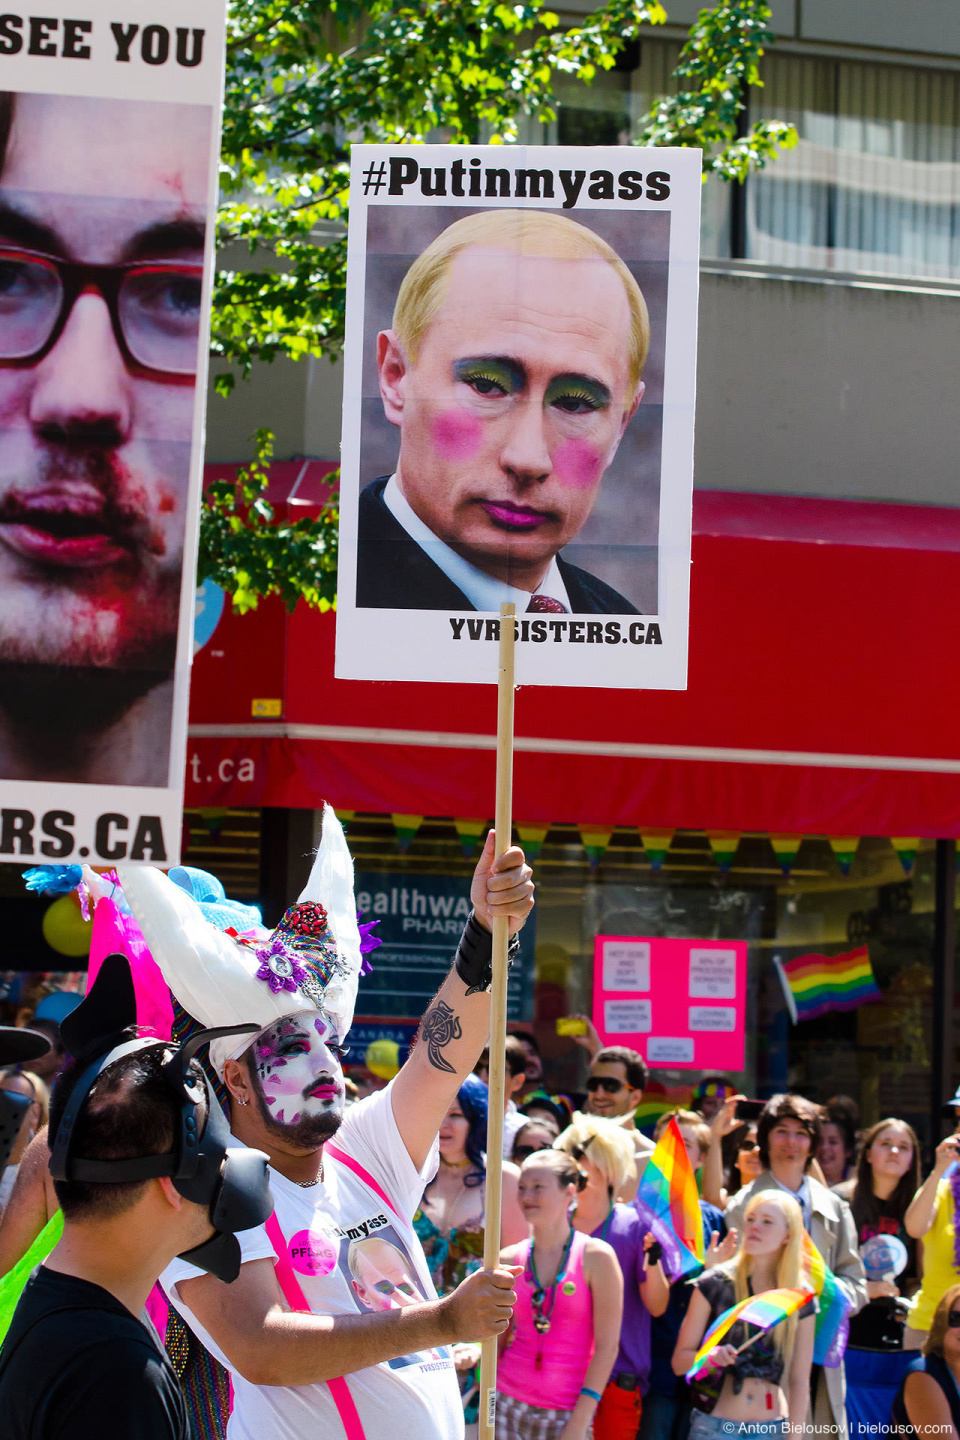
<point x="655" y="1253"/>
<point x="474" y="959"/>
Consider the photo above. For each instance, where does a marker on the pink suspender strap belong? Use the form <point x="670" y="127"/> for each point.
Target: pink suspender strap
<point x="295" y="1298"/>
<point x="344" y="1159"/>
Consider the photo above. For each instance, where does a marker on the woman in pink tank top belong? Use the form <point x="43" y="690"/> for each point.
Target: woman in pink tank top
<point x="565" y="1333"/>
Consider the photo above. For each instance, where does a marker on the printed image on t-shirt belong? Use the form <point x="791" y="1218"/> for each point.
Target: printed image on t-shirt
<point x="382" y="1276"/>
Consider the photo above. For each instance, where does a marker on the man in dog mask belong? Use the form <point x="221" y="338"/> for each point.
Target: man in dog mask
<point x="143" y="1173"/>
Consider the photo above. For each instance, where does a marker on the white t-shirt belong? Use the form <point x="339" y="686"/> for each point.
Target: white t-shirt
<point x="415" y="1397"/>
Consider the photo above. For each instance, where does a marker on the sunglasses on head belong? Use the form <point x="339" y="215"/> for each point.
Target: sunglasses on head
<point x="606" y="1083"/>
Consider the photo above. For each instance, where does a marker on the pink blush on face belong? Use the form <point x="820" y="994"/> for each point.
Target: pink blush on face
<point x="456" y="434"/>
<point x="578" y="464"/>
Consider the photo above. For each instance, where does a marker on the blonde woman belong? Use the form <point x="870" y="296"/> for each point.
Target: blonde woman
<point x="767" y="1387"/>
<point x="604" y="1153"/>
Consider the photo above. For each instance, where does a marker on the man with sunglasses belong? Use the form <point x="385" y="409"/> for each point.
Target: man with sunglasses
<point x="615" y="1086"/>
<point x="102" y="206"/>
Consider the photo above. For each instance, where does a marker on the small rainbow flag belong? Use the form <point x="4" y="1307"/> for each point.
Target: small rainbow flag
<point x="471" y="832"/>
<point x="814" y="984"/>
<point x="833" y="1308"/>
<point x="764" y="1310"/>
<point x="669" y="1202"/>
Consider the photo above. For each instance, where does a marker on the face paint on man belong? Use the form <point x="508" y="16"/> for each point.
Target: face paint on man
<point x="297" y="1078"/>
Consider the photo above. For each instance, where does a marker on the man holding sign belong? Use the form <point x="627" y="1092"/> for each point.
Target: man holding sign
<point x="340" y="1251"/>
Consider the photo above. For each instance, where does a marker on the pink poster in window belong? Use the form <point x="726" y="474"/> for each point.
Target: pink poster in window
<point x="680" y="1003"/>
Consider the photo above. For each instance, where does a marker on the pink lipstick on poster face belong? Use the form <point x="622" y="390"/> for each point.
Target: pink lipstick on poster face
<point x="72" y="529"/>
<point x="514" y="517"/>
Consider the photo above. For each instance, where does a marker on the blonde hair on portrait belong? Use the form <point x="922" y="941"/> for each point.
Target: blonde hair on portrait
<point x="541" y="233"/>
<point x="605" y="1144"/>
<point x="790" y="1269"/>
<point x="933" y="1345"/>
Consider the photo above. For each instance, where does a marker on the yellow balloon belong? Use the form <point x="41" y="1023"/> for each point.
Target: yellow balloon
<point x="382" y="1058"/>
<point x="65" y="929"/>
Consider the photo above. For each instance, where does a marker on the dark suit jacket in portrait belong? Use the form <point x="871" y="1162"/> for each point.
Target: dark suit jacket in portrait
<point x="394" y="573"/>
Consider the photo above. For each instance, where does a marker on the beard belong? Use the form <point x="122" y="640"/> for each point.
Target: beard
<point x="308" y="1133"/>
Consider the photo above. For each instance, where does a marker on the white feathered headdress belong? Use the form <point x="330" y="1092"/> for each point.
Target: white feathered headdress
<point x="311" y="961"/>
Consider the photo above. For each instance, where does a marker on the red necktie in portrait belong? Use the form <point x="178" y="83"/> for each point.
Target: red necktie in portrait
<point x="545" y="605"/>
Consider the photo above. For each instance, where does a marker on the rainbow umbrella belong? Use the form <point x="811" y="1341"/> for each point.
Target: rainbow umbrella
<point x="669" y="1202"/>
<point x="764" y="1310"/>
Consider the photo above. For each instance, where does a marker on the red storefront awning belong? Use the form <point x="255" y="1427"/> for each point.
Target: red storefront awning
<point x="823" y="697"/>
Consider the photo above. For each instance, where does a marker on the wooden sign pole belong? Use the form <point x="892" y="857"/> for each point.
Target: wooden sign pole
<point x="498" y="1010"/>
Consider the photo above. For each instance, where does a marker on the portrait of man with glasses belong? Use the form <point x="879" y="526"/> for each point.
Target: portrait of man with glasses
<point x="102" y="224"/>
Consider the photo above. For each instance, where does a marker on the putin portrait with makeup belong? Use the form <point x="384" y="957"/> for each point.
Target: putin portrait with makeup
<point x="512" y="371"/>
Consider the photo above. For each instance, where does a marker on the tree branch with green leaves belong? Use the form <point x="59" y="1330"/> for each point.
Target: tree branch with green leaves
<point x="306" y="79"/>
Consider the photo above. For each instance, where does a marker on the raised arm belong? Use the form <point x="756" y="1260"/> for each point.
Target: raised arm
<point x="920" y="1213"/>
<point x="456" y="1025"/>
<point x="723" y="1123"/>
<point x="270" y="1345"/>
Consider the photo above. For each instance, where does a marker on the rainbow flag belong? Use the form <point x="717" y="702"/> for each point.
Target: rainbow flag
<point x="833" y="1308"/>
<point x="814" y="984"/>
<point x="669" y="1202"/>
<point x="764" y="1310"/>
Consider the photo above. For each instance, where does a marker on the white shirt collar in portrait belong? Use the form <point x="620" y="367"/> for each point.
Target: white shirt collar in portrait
<point x="483" y="591"/>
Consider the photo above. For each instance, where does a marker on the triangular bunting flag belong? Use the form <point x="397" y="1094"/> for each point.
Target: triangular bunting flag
<point x="406" y="827"/>
<point x="471" y="832"/>
<point x="531" y="838"/>
<point x="656" y="843"/>
<point x="595" y="842"/>
<point x="785" y="848"/>
<point x="724" y="844"/>
<point x="906" y="851"/>
<point x="844" y="848"/>
<point x="345" y="816"/>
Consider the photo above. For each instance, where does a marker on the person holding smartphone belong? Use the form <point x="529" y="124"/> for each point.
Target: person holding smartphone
<point x="931" y="1218"/>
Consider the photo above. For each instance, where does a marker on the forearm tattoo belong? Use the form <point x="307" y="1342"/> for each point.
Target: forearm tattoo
<point x="439" y="1029"/>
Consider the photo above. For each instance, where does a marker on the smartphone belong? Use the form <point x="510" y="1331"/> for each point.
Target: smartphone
<point x="570" y="1025"/>
<point x="749" y="1109"/>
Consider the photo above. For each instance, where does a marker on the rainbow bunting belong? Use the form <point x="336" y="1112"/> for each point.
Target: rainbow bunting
<point x="814" y="984"/>
<point x="724" y="845"/>
<point x="833" y="1308"/>
<point x="595" y="841"/>
<point x="471" y="832"/>
<point x="531" y="838"/>
<point x="764" y="1310"/>
<point x="657" y="1100"/>
<point x="656" y="843"/>
<point x="668" y="1200"/>
<point x="844" y="848"/>
<point x="406" y="827"/>
<point x="906" y="849"/>
<point x="345" y="816"/>
<point x="785" y="848"/>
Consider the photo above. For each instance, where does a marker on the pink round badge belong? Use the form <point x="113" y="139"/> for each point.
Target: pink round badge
<point x="311" y="1253"/>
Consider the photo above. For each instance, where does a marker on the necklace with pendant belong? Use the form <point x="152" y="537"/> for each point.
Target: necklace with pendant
<point x="538" y="1296"/>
